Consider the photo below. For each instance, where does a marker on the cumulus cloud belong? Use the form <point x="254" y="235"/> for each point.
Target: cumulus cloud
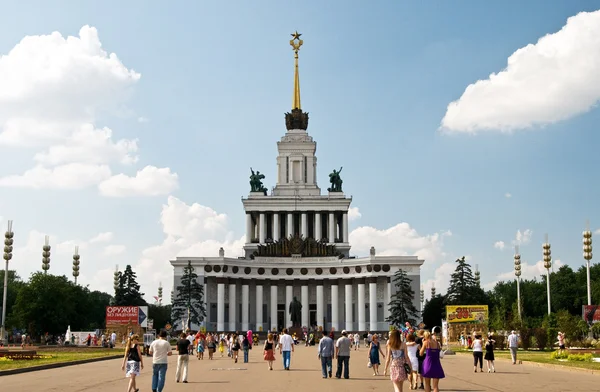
<point x="523" y="237"/>
<point x="102" y="237"/>
<point x="150" y="181"/>
<point x="530" y="271"/>
<point x="113" y="250"/>
<point x="507" y="195"/>
<point x="597" y="232"/>
<point x="440" y="280"/>
<point x="354" y="214"/>
<point x="543" y="83"/>
<point x="499" y="245"/>
<point x="69" y="176"/>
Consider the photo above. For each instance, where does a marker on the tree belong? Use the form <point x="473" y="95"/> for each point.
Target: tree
<point x="189" y="304"/>
<point x="160" y="314"/>
<point x="14" y="285"/>
<point x="128" y="290"/>
<point x="462" y="284"/>
<point x="401" y="307"/>
<point x="434" y="311"/>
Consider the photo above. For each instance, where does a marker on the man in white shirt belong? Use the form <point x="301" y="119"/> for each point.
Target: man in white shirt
<point x="342" y="353"/>
<point x="513" y="345"/>
<point x="160" y="350"/>
<point x="286" y="348"/>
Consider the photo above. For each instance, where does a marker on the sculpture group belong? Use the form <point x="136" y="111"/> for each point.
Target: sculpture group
<point x="336" y="181"/>
<point x="256" y="184"/>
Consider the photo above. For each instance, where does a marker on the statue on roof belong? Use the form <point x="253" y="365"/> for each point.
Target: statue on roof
<point x="336" y="181"/>
<point x="256" y="184"/>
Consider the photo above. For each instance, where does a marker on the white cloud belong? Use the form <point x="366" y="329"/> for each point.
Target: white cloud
<point x="142" y="120"/>
<point x="597" y="232"/>
<point x="553" y="80"/>
<point x="499" y="245"/>
<point x="102" y="237"/>
<point x="507" y="195"/>
<point x="354" y="214"/>
<point x="89" y="145"/>
<point x="523" y="237"/>
<point x="150" y="181"/>
<point x="400" y="239"/>
<point x="69" y="176"/>
<point x="114" y="250"/>
<point x="50" y="85"/>
<point x="440" y="280"/>
<point x="530" y="271"/>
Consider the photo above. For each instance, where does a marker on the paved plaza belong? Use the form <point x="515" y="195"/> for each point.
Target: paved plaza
<point x="223" y="375"/>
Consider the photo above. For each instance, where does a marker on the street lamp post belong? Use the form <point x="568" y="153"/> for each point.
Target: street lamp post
<point x="8" y="242"/>
<point x="46" y="255"/>
<point x="76" y="258"/>
<point x="587" y="255"/>
<point x="547" y="264"/>
<point x="422" y="297"/>
<point x="517" y="259"/>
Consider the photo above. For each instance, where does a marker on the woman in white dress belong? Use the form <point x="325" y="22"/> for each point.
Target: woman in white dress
<point x="412" y="347"/>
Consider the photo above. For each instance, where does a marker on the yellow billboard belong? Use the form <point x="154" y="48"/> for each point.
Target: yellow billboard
<point x="477" y="314"/>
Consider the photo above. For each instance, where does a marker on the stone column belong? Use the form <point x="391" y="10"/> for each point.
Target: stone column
<point x="289" y="296"/>
<point x="304" y="299"/>
<point x="317" y="231"/>
<point x="249" y="228"/>
<point x="373" y="305"/>
<point x="387" y="298"/>
<point x="232" y="306"/>
<point x="349" y="303"/>
<point x="276" y="226"/>
<point x="335" y="324"/>
<point x="262" y="227"/>
<point x="345" y="227"/>
<point x="290" y="225"/>
<point x="259" y="307"/>
<point x="362" y="324"/>
<point x="331" y="227"/>
<point x="245" y="305"/>
<point x="304" y="225"/>
<point x="320" y="303"/>
<point x="273" y="305"/>
<point x="220" y="305"/>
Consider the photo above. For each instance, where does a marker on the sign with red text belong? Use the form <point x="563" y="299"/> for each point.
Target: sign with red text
<point x="122" y="315"/>
<point x="477" y="314"/>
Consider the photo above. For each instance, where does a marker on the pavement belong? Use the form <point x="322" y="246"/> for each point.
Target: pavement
<point x="223" y="375"/>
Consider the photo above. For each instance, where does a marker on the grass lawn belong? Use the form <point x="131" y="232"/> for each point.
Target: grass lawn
<point x="56" y="357"/>
<point x="542" y="357"/>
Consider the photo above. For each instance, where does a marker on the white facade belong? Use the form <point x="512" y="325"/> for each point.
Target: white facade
<point x="340" y="292"/>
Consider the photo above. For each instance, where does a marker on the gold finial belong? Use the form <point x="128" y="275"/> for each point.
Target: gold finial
<point x="296" y="43"/>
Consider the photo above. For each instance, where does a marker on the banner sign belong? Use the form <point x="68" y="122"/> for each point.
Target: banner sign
<point x="143" y="316"/>
<point x="591" y="314"/>
<point x="477" y="314"/>
<point x="122" y="315"/>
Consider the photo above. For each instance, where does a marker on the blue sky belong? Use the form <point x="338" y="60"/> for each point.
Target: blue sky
<point x="377" y="80"/>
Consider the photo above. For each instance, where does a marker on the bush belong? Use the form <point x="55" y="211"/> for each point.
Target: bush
<point x="559" y="355"/>
<point x="541" y="338"/>
<point x="552" y="336"/>
<point x="580" y="357"/>
<point x="526" y="334"/>
<point x="499" y="341"/>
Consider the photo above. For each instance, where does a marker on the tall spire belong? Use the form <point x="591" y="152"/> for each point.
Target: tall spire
<point x="296" y="43"/>
<point x="296" y="119"/>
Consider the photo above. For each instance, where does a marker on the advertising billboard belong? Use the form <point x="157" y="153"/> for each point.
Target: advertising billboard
<point x="123" y="315"/>
<point x="477" y="314"/>
<point x="591" y="314"/>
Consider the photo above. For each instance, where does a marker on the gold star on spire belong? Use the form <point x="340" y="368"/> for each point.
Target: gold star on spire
<point x="296" y="35"/>
<point x="296" y="43"/>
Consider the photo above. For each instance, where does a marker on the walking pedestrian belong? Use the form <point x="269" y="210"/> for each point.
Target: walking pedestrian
<point x="489" y="353"/>
<point x="132" y="362"/>
<point x="160" y="350"/>
<point x="268" y="350"/>
<point x="397" y="356"/>
<point x="342" y="353"/>
<point x="478" y="353"/>
<point x="325" y="354"/>
<point x="432" y="368"/>
<point x="183" y="360"/>
<point x="246" y="348"/>
<point x="356" y="341"/>
<point x="374" y="351"/>
<point x="286" y="348"/>
<point x="412" y="349"/>
<point x="513" y="345"/>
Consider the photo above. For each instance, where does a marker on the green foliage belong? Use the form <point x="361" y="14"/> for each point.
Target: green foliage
<point x="434" y="311"/>
<point x="160" y="314"/>
<point x="128" y="291"/>
<point x="188" y="306"/>
<point x="49" y="303"/>
<point x="401" y="307"/>
<point x="462" y="284"/>
<point x="559" y="354"/>
<point x="14" y="285"/>
<point x="580" y="357"/>
<point x="541" y="337"/>
<point x="525" y="335"/>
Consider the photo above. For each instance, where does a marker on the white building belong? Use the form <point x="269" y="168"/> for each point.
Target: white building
<point x="297" y="246"/>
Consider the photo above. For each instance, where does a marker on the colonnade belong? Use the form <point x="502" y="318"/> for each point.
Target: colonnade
<point x="316" y="224"/>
